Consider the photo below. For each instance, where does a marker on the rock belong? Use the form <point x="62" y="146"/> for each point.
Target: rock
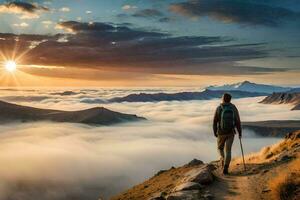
<point x="158" y="196"/>
<point x="295" y="145"/>
<point x="194" y="162"/>
<point x="269" y="155"/>
<point x="293" y="135"/>
<point x="265" y="171"/>
<point x="212" y="167"/>
<point x="188" y="186"/>
<point x="163" y="171"/>
<point x="184" y="195"/>
<point x="266" y="190"/>
<point x="201" y="175"/>
<point x="285" y="158"/>
<point x="160" y="172"/>
<point x="208" y="196"/>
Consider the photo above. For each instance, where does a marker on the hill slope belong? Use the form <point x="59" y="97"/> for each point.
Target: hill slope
<point x="270" y="173"/>
<point x="98" y="115"/>
<point x="284" y="98"/>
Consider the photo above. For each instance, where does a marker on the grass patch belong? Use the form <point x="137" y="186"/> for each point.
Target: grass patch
<point x="286" y="186"/>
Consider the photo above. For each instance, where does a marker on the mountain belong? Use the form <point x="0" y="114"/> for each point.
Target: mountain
<point x="98" y="115"/>
<point x="271" y="173"/>
<point x="272" y="128"/>
<point x="250" y="87"/>
<point x="294" y="90"/>
<point x="183" y="96"/>
<point x="284" y="98"/>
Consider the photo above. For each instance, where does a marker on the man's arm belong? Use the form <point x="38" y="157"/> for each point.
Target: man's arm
<point x="216" y="121"/>
<point x="238" y="122"/>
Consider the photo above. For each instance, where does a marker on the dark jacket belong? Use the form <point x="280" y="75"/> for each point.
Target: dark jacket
<point x="217" y="119"/>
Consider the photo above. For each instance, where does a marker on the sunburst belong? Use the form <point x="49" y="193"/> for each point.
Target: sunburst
<point x="10" y="66"/>
<point x="12" y="53"/>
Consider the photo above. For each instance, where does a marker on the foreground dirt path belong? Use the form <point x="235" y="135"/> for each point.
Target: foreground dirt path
<point x="230" y="187"/>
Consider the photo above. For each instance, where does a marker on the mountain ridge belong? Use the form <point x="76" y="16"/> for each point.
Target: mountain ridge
<point x="183" y="96"/>
<point x="283" y="98"/>
<point x="97" y="115"/>
<point x="272" y="128"/>
<point x="251" y="87"/>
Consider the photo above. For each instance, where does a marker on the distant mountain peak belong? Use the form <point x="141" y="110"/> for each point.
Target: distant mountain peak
<point x="247" y="82"/>
<point x="248" y="86"/>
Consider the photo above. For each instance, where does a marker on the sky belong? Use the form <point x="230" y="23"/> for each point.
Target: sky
<point x="153" y="43"/>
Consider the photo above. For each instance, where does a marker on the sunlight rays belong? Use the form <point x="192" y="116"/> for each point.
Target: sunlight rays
<point x="9" y="60"/>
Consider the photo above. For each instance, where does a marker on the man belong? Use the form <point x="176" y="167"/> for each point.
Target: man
<point x="226" y="119"/>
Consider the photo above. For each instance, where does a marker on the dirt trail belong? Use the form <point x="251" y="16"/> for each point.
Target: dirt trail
<point x="230" y="187"/>
<point x="251" y="184"/>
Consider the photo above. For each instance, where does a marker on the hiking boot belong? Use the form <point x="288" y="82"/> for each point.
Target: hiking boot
<point x="225" y="170"/>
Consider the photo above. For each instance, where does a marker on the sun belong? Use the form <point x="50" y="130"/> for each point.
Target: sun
<point x="10" y="65"/>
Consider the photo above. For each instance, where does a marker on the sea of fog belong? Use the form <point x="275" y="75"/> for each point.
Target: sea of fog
<point x="52" y="161"/>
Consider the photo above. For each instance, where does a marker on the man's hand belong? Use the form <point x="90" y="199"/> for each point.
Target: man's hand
<point x="216" y="135"/>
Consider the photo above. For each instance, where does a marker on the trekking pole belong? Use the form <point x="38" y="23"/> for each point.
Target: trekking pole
<point x="243" y="154"/>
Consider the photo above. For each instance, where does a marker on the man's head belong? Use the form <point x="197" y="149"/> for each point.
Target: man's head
<point x="226" y="98"/>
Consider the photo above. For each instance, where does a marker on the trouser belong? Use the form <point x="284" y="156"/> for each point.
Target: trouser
<point x="225" y="141"/>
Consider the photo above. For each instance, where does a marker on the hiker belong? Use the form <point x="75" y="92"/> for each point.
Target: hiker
<point x="226" y="120"/>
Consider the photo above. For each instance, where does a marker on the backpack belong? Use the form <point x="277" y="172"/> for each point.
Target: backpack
<point x="227" y="122"/>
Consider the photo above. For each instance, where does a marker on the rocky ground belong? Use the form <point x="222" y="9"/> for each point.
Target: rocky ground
<point x="272" y="173"/>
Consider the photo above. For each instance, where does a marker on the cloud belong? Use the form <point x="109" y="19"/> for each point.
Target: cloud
<point x="233" y="11"/>
<point x="26" y="10"/>
<point x="65" y="9"/>
<point x="82" y="26"/>
<point x="72" y="161"/>
<point x="116" y="48"/>
<point x="21" y="25"/>
<point x="47" y="22"/>
<point x="128" y="7"/>
<point x="148" y="13"/>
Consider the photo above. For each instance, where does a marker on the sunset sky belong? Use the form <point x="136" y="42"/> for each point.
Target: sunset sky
<point x="149" y="42"/>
